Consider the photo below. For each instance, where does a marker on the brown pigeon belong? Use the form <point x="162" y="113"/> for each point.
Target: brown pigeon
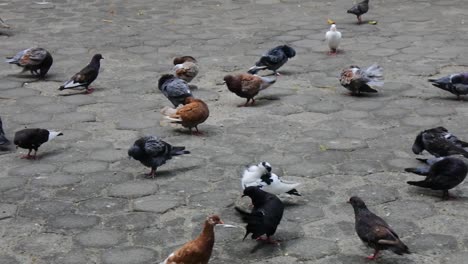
<point x="247" y="86"/>
<point x="374" y="231"/>
<point x="190" y="115"/>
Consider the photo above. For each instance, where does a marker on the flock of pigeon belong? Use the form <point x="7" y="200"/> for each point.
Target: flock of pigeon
<point x="258" y="181"/>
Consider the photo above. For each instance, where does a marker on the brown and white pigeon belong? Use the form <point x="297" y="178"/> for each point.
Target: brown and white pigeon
<point x="359" y="10"/>
<point x="33" y="138"/>
<point x="36" y="60"/>
<point x="374" y="231"/>
<point x="86" y="76"/>
<point x="197" y="251"/>
<point x="441" y="174"/>
<point x="185" y="68"/>
<point x="358" y="81"/>
<point x="247" y="86"/>
<point x="190" y="115"/>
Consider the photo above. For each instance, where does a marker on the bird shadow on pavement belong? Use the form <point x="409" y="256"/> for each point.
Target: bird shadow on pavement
<point x="455" y="196"/>
<point x="168" y="172"/>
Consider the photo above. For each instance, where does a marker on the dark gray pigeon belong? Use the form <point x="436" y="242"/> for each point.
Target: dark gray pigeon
<point x="359" y="10"/>
<point x="175" y="89"/>
<point x="441" y="174"/>
<point x="265" y="215"/>
<point x="33" y="138"/>
<point x="3" y="140"/>
<point x="86" y="76"/>
<point x="454" y="83"/>
<point x="359" y="81"/>
<point x="273" y="59"/>
<point x="153" y="152"/>
<point x="439" y="142"/>
<point x="36" y="60"/>
<point x="374" y="231"/>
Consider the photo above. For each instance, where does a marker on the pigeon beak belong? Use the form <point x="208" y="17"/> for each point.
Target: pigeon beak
<point x="243" y="195"/>
<point x="223" y="82"/>
<point x="348" y="202"/>
<point x="221" y="222"/>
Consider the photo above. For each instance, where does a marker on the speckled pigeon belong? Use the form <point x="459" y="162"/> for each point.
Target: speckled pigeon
<point x="36" y="60"/>
<point x="86" y="76"/>
<point x="174" y="89"/>
<point x="359" y="9"/>
<point x="439" y="142"/>
<point x="374" y="231"/>
<point x="359" y="81"/>
<point x="442" y="174"/>
<point x="273" y="59"/>
<point x="456" y="84"/>
<point x="153" y="152"/>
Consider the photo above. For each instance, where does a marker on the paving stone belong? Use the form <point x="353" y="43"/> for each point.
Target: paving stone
<point x="159" y="203"/>
<point x="132" y="221"/>
<point x="75" y="117"/>
<point x="133" y="189"/>
<point x="7" y="210"/>
<point x="73" y="257"/>
<point x="85" y="167"/>
<point x="5" y="259"/>
<point x="45" y="209"/>
<point x="345" y="144"/>
<point x="8" y="183"/>
<point x="30" y="118"/>
<point x="32" y="170"/>
<point x="100" y="238"/>
<point x="311" y="248"/>
<point x="56" y="180"/>
<point x="43" y="244"/>
<point x="73" y="221"/>
<point x="102" y="205"/>
<point x="134" y="255"/>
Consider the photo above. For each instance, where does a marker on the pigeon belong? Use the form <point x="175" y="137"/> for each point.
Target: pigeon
<point x="358" y="81"/>
<point x="153" y="152"/>
<point x="374" y="231"/>
<point x="260" y="175"/>
<point x="454" y="83"/>
<point x="439" y="142"/>
<point x="190" y="115"/>
<point x="36" y="60"/>
<point x="247" y="85"/>
<point x="3" y="140"/>
<point x="86" y="76"/>
<point x="273" y="59"/>
<point x="33" y="138"/>
<point x="359" y="10"/>
<point x="265" y="216"/>
<point x="197" y="251"/>
<point x="185" y="68"/>
<point x="443" y="173"/>
<point x="175" y="89"/>
<point x="333" y="38"/>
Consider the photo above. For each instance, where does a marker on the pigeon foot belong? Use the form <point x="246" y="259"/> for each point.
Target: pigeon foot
<point x="89" y="91"/>
<point x="28" y="157"/>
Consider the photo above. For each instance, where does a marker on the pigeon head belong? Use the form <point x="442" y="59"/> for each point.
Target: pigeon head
<point x="290" y="52"/>
<point x="136" y="153"/>
<point x="255" y="193"/>
<point x="357" y="203"/>
<point x="164" y="79"/>
<point x="97" y="57"/>
<point x="418" y="145"/>
<point x="265" y="165"/>
<point x="333" y="27"/>
<point x="214" y="220"/>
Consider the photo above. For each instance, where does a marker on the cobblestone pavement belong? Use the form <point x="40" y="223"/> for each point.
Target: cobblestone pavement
<point x="83" y="201"/>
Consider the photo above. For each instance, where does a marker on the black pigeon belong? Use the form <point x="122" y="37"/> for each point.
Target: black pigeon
<point x="36" y="60"/>
<point x="152" y="152"/>
<point x="3" y="140"/>
<point x="454" y="83"/>
<point x="374" y="231"/>
<point x="86" y="76"/>
<point x="273" y="59"/>
<point x="442" y="174"/>
<point x="439" y="142"/>
<point x="175" y="89"/>
<point x="359" y="9"/>
<point x="33" y="138"/>
<point x="265" y="215"/>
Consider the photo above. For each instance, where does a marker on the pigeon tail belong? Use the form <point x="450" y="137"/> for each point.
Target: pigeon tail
<point x="255" y="69"/>
<point x="3" y="140"/>
<point x="396" y="247"/>
<point x="254" y="222"/>
<point x="423" y="184"/>
<point x="294" y="192"/>
<point x="54" y="134"/>
<point x="423" y="171"/>
<point x="179" y="151"/>
<point x="374" y="74"/>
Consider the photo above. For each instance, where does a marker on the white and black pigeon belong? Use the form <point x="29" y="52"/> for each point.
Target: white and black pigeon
<point x="174" y="89"/>
<point x="85" y="77"/>
<point x="33" y="138"/>
<point x="3" y="140"/>
<point x="443" y="173"/>
<point x="153" y="152"/>
<point x="439" y="142"/>
<point x="358" y="81"/>
<point x="456" y="84"/>
<point x="260" y="175"/>
<point x="273" y="59"/>
<point x="36" y="60"/>
<point x="333" y="38"/>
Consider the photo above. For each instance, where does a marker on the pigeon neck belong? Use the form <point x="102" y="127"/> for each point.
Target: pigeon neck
<point x="95" y="63"/>
<point x="207" y="234"/>
<point x="361" y="209"/>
